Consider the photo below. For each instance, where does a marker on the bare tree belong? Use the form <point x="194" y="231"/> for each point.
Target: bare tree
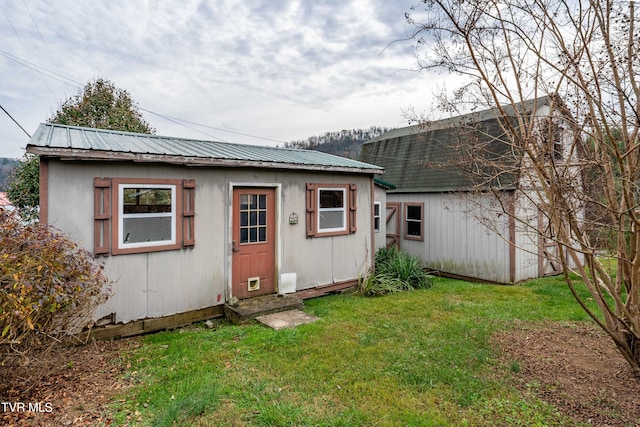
<point x="582" y="154"/>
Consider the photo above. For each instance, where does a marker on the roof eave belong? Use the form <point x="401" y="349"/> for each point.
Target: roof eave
<point x="100" y="155"/>
<point x="451" y="190"/>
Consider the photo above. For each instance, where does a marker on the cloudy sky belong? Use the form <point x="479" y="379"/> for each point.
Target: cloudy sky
<point x="255" y="72"/>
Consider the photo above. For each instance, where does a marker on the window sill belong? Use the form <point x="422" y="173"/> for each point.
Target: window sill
<point x="331" y="233"/>
<point x="145" y="249"/>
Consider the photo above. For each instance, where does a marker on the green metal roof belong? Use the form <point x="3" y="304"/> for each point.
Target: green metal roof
<point x="428" y="158"/>
<point x="384" y="184"/>
<point x="98" y="144"/>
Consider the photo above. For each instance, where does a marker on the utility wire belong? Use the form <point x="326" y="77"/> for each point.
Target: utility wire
<point x="15" y="121"/>
<point x="176" y="120"/>
<point x="24" y="47"/>
<point x="39" y="69"/>
<point x="35" y="24"/>
<point x="69" y="81"/>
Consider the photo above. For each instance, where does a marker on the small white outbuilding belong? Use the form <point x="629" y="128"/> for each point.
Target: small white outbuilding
<point x="185" y="225"/>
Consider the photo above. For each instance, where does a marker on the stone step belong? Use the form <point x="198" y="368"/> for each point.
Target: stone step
<point x="248" y="309"/>
<point x="286" y="319"/>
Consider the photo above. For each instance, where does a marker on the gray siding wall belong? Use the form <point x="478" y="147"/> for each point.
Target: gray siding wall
<point x="164" y="283"/>
<point x="527" y="240"/>
<point x="455" y="241"/>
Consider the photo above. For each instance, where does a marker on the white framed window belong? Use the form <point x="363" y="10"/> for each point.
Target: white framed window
<point x="377" y="208"/>
<point x="137" y="215"/>
<point x="147" y="215"/>
<point x="332" y="211"/>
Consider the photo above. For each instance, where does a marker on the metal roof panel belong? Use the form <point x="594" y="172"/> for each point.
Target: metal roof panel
<point x="85" y="142"/>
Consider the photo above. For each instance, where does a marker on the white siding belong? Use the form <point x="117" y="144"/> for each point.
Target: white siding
<point x="527" y="239"/>
<point x="324" y="260"/>
<point x="455" y="241"/>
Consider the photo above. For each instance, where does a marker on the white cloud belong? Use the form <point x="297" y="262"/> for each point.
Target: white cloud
<point x="281" y="70"/>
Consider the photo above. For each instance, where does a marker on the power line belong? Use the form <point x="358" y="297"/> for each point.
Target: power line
<point x="24" y="47"/>
<point x="15" y="121"/>
<point x="176" y="120"/>
<point x="35" y="24"/>
<point x="64" y="79"/>
<point x="39" y="69"/>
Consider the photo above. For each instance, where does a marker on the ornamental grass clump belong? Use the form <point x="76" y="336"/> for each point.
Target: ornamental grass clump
<point x="395" y="271"/>
<point x="49" y="287"/>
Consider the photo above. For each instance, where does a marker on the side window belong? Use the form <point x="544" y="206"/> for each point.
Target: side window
<point x="558" y="148"/>
<point x="147" y="215"/>
<point x="332" y="212"/>
<point x="331" y="209"/>
<point x="551" y="132"/>
<point x="377" y="206"/>
<point x="414" y="221"/>
<point x="143" y="215"/>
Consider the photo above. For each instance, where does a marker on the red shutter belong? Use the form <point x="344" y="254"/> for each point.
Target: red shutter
<point x="102" y="216"/>
<point x="352" y="208"/>
<point x="188" y="212"/>
<point x="312" y="209"/>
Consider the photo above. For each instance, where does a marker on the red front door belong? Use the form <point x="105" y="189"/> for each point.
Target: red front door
<point x="254" y="255"/>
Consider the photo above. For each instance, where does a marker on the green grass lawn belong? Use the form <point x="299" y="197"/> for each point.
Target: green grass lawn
<point x="420" y="358"/>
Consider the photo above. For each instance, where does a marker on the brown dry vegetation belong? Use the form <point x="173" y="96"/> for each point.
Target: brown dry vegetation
<point x="78" y="382"/>
<point x="575" y="367"/>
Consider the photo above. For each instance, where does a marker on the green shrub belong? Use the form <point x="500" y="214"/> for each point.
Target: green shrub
<point x="23" y="188"/>
<point x="395" y="271"/>
<point x="48" y="286"/>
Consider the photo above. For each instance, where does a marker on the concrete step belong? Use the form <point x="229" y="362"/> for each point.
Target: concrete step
<point x="248" y="309"/>
<point x="286" y="319"/>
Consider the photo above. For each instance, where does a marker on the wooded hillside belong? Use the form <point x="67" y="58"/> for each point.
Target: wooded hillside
<point x="345" y="143"/>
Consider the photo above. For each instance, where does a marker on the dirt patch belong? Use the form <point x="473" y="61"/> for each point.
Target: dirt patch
<point x="70" y="387"/>
<point x="576" y="368"/>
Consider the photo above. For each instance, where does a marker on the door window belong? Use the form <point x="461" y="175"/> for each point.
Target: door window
<point x="253" y="218"/>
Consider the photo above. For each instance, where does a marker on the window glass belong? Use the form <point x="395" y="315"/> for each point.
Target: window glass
<point x="253" y="218"/>
<point x="331" y="212"/>
<point x="376" y="216"/>
<point x="146" y="200"/>
<point x="413" y="228"/>
<point x="147" y="215"/>
<point x="557" y="150"/>
<point x="329" y="220"/>
<point x="414" y="213"/>
<point x="331" y="199"/>
<point x="414" y="220"/>
<point x="138" y="230"/>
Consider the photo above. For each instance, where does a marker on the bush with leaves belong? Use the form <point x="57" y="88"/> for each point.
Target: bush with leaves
<point x="395" y="271"/>
<point x="100" y="104"/>
<point x="23" y="187"/>
<point x="49" y="286"/>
